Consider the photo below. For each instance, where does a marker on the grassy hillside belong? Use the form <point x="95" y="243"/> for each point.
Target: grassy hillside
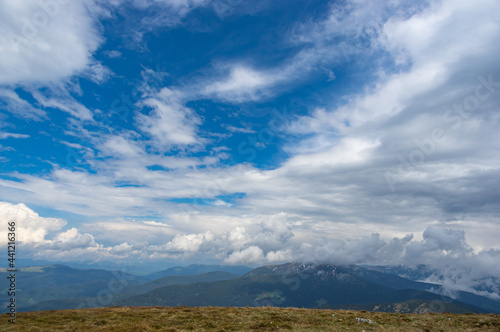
<point x="242" y="319"/>
<point x="406" y="307"/>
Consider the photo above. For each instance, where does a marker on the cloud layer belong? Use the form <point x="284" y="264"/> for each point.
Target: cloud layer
<point x="272" y="241"/>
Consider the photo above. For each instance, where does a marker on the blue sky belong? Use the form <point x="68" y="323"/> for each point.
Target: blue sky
<point x="252" y="132"/>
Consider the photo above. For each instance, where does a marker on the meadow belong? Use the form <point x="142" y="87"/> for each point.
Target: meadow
<point x="242" y="319"/>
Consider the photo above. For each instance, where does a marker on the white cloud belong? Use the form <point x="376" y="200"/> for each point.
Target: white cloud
<point x="11" y="102"/>
<point x="138" y="233"/>
<point x="45" y="41"/>
<point x="123" y="248"/>
<point x="44" y="238"/>
<point x="70" y="239"/>
<point x="4" y="135"/>
<point x="113" y="54"/>
<point x="273" y="233"/>
<point x="183" y="244"/>
<point x="166" y="14"/>
<point x="435" y="46"/>
<point x="234" y="129"/>
<point x="31" y="229"/>
<point x="330" y="42"/>
<point x="238" y="237"/>
<point x="43" y="45"/>
<point x="97" y="73"/>
<point x="446" y="32"/>
<point x="252" y="255"/>
<point x="60" y="98"/>
<point x="119" y="146"/>
<point x="349" y="151"/>
<point x="170" y="124"/>
<point x="242" y="84"/>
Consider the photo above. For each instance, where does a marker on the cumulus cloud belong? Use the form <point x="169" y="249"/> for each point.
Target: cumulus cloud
<point x="252" y="243"/>
<point x="273" y="232"/>
<point x="251" y="255"/>
<point x="184" y="243"/>
<point x="123" y="248"/>
<point x="70" y="239"/>
<point x="31" y="228"/>
<point x="45" y="238"/>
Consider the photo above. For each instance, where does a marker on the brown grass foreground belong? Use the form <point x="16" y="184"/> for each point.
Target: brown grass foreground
<point x="241" y="319"/>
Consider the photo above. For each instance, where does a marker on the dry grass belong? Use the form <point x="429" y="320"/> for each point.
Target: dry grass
<point x="241" y="319"/>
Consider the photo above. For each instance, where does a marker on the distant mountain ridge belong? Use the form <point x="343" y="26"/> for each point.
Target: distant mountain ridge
<point x="294" y="285"/>
<point x="67" y="286"/>
<point x="176" y="280"/>
<point x="55" y="282"/>
<point x="195" y="269"/>
<point x="285" y="285"/>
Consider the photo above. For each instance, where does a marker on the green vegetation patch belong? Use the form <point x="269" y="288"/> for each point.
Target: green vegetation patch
<point x="242" y="319"/>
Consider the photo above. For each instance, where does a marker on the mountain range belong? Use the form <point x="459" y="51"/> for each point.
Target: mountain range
<point x="288" y="285"/>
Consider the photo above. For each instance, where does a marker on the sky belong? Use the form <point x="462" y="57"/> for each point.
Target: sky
<point x="253" y="132"/>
